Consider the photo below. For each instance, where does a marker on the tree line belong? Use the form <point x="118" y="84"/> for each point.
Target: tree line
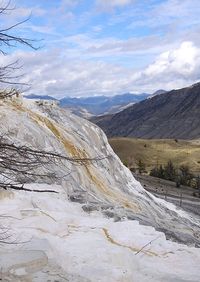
<point x="181" y="175"/>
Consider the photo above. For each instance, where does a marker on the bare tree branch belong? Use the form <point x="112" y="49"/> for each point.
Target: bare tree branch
<point x="8" y="38"/>
<point x="22" y="162"/>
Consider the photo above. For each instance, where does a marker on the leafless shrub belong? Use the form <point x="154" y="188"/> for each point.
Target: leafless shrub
<point x="9" y="83"/>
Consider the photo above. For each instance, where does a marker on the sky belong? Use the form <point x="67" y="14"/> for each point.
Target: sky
<point x="102" y="47"/>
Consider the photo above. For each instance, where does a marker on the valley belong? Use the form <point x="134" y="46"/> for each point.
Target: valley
<point x="156" y="152"/>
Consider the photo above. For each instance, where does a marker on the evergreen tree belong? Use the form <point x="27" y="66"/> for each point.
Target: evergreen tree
<point x="185" y="175"/>
<point x="161" y="172"/>
<point x="141" y="166"/>
<point x="169" y="171"/>
<point x="154" y="172"/>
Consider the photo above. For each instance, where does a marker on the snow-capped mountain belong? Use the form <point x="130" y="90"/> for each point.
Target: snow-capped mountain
<point x="99" y="224"/>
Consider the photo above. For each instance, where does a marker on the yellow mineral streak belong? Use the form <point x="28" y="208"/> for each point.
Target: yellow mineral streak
<point x="58" y="131"/>
<point x="133" y="249"/>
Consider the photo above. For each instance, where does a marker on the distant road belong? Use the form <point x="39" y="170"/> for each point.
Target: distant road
<point x="188" y="205"/>
<point x="181" y="197"/>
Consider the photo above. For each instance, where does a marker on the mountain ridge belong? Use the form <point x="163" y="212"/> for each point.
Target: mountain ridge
<point x="95" y="105"/>
<point x="174" y="114"/>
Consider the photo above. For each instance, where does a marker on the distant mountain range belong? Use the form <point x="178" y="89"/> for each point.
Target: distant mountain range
<point x="174" y="114"/>
<point x="96" y="105"/>
<point x="36" y="97"/>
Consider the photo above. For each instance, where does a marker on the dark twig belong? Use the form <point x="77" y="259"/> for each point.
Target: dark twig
<point x="149" y="243"/>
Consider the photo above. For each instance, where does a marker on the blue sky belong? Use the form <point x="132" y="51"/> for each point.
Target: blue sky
<point x="107" y="47"/>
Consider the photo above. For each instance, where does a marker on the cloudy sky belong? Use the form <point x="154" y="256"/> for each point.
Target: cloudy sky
<point x="106" y="47"/>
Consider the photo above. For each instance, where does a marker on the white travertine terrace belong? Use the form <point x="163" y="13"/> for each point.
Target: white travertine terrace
<point x="57" y="240"/>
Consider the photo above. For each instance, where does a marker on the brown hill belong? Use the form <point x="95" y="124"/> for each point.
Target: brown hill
<point x="158" y="152"/>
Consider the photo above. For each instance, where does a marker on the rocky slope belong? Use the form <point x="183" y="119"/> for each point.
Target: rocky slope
<point x="53" y="238"/>
<point x="174" y="114"/>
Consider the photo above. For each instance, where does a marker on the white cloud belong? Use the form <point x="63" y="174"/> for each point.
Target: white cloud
<point x="56" y="73"/>
<point x="91" y="46"/>
<point x="111" y="4"/>
<point x="181" y="61"/>
<point x="69" y="3"/>
<point x="173" y="69"/>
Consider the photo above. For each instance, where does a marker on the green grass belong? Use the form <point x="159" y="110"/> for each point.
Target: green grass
<point x="157" y="151"/>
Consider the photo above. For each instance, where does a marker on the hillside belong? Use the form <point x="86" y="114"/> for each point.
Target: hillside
<point x="153" y="152"/>
<point x="95" y="222"/>
<point x="174" y="114"/>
